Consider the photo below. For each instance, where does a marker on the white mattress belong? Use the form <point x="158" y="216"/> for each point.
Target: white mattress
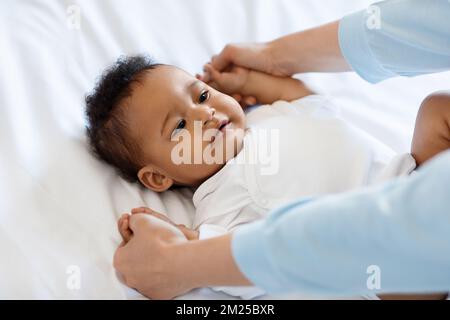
<point x="58" y="205"/>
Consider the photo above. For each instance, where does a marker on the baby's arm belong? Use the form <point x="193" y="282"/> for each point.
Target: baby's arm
<point x="432" y="131"/>
<point x="264" y="87"/>
<point x="431" y="136"/>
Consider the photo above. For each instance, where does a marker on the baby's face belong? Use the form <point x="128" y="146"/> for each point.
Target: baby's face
<point x="169" y="113"/>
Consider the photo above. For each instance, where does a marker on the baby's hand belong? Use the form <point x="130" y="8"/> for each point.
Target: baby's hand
<point x="231" y="81"/>
<point x="251" y="86"/>
<point x="127" y="234"/>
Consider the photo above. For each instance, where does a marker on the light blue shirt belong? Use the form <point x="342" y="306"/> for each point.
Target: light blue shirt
<point x="392" y="238"/>
<point x="397" y="38"/>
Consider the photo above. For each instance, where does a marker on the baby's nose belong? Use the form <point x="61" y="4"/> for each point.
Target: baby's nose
<point x="208" y="115"/>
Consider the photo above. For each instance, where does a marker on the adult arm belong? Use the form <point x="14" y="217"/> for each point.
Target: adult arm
<point x="390" y="38"/>
<point x="325" y="246"/>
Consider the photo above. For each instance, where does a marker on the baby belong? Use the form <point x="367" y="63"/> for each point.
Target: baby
<point x="163" y="128"/>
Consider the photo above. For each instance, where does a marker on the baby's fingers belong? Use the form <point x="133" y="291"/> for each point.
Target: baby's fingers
<point x="211" y="74"/>
<point x="237" y="97"/>
<point x="249" y="101"/>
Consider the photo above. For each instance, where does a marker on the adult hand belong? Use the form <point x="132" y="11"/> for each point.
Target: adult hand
<point x="147" y="260"/>
<point x="256" y="56"/>
<point x="312" y="50"/>
<point x="231" y="81"/>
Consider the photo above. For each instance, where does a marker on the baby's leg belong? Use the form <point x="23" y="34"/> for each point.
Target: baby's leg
<point x="432" y="131"/>
<point x="123" y="224"/>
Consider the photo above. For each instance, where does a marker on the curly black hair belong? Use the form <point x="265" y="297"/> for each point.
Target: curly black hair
<point x="107" y="129"/>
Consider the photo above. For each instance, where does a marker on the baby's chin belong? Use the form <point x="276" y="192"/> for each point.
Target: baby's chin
<point x="213" y="162"/>
<point x="235" y="138"/>
<point x="228" y="142"/>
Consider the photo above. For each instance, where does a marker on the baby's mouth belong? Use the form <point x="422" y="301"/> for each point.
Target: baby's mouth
<point x="223" y="124"/>
<point x="221" y="128"/>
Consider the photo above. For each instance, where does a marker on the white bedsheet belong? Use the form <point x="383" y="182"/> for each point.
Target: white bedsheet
<point x="58" y="205"/>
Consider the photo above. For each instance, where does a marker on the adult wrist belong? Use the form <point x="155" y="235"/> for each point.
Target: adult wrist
<point x="312" y="50"/>
<point x="286" y="54"/>
<point x="182" y="264"/>
<point x="207" y="262"/>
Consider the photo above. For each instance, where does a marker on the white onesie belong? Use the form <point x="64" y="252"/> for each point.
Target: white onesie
<point x="291" y="150"/>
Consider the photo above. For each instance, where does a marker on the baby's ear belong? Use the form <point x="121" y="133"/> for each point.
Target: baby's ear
<point x="153" y="180"/>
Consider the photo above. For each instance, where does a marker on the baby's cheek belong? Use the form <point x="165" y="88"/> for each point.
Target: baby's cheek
<point x="238" y="112"/>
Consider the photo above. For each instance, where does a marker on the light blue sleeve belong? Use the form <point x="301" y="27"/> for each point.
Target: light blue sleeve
<point x="327" y="246"/>
<point x="397" y="38"/>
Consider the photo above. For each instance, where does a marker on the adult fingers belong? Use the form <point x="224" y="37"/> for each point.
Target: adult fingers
<point x="226" y="57"/>
<point x="141" y="210"/>
<point x="213" y="74"/>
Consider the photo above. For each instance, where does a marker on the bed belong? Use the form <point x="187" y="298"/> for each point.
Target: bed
<point x="59" y="205"/>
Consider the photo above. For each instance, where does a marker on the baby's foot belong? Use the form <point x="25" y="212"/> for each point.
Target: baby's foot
<point x="124" y="227"/>
<point x="188" y="233"/>
<point x="149" y="211"/>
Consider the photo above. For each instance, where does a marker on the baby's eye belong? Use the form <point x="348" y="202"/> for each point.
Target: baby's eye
<point x="204" y="96"/>
<point x="180" y="126"/>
